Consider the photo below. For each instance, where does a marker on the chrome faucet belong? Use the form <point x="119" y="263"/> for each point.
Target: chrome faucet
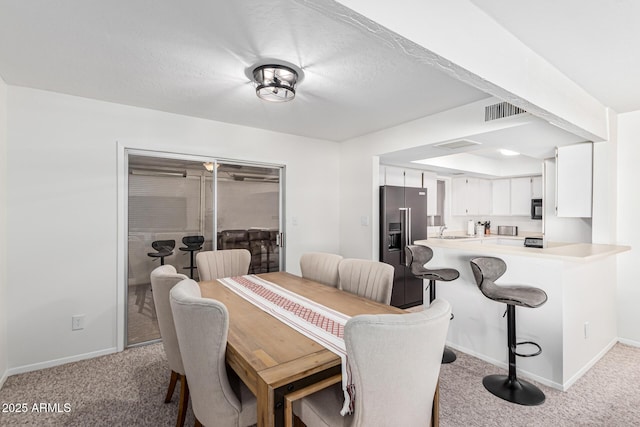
<point x="442" y="228"/>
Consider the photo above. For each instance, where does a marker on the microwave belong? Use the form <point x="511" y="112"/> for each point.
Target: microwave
<point x="536" y="208"/>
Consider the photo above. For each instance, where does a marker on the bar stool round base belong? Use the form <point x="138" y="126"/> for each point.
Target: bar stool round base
<point x="515" y="390"/>
<point x="448" y="356"/>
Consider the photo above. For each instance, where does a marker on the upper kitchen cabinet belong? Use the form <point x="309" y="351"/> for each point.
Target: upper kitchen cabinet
<point x="430" y="182"/>
<point x="413" y="178"/>
<point x="501" y="197"/>
<point x="521" y="196"/>
<point x="574" y="180"/>
<point x="512" y="196"/>
<point x="536" y="187"/>
<point x="391" y="176"/>
<point x="470" y="196"/>
<point x="401" y="177"/>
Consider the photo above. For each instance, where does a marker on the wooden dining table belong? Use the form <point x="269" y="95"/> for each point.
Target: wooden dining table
<point x="273" y="359"/>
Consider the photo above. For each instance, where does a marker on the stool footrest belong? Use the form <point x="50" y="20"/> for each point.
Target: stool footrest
<point x="530" y="354"/>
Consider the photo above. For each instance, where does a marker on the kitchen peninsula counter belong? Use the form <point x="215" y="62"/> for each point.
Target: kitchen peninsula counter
<point x="575" y="327"/>
<point x="496" y="244"/>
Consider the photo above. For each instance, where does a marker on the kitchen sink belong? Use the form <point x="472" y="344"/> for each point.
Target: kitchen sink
<point x="454" y="237"/>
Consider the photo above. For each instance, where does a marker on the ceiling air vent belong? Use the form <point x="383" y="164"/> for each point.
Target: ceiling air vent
<point x="501" y="110"/>
<point x="456" y="145"/>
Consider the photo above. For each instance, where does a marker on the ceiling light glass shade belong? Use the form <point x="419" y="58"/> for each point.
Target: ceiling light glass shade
<point x="275" y="83"/>
<point x="506" y="152"/>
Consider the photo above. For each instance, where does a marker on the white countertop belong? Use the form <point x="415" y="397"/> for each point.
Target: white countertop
<point x="498" y="244"/>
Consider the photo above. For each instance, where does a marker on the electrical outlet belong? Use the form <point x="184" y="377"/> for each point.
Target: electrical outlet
<point x="77" y="322"/>
<point x="586" y="330"/>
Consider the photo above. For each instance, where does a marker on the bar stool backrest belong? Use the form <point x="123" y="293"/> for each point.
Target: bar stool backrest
<point x="486" y="270"/>
<point x="163" y="245"/>
<point x="417" y="256"/>
<point x="193" y="241"/>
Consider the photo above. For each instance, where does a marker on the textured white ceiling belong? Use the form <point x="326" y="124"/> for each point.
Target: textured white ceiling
<point x="192" y="58"/>
<point x="594" y="42"/>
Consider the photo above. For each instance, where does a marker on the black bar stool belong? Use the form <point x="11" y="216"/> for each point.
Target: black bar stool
<point x="163" y="249"/>
<point x="417" y="256"/>
<point x="486" y="271"/>
<point x="191" y="245"/>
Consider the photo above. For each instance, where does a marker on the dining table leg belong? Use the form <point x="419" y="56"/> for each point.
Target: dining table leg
<point x="265" y="403"/>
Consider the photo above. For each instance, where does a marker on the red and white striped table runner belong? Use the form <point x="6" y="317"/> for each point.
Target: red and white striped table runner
<point x="316" y="321"/>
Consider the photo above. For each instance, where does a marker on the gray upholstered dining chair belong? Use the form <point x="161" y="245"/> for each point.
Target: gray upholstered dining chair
<point x="163" y="278"/>
<point x="223" y="263"/>
<point x="202" y="325"/>
<point x="395" y="362"/>
<point x="369" y="279"/>
<point x="320" y="267"/>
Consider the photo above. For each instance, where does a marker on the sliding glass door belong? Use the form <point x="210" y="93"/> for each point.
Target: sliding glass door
<point x="248" y="213"/>
<point x="178" y="207"/>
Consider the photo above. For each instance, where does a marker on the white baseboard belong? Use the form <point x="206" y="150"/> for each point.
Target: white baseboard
<point x="589" y="365"/>
<point x="3" y="378"/>
<point x="62" y="361"/>
<point x="505" y="365"/>
<point x="632" y="343"/>
<point x="562" y="387"/>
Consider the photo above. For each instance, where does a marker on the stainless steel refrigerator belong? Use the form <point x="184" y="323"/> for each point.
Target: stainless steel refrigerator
<point x="403" y="219"/>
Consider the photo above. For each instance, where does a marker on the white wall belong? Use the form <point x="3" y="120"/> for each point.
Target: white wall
<point x="628" y="232"/>
<point x="3" y="232"/>
<point x="605" y="194"/>
<point x="63" y="213"/>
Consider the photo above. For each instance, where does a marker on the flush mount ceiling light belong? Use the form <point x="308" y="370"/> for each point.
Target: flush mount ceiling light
<point x="275" y="83"/>
<point x="506" y="152"/>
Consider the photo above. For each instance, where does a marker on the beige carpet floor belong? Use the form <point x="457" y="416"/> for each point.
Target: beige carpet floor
<point x="607" y="395"/>
<point x="127" y="389"/>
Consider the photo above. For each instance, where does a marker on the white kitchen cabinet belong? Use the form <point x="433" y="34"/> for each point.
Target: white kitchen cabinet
<point x="501" y="197"/>
<point x="574" y="180"/>
<point x="521" y="196"/>
<point x="483" y="188"/>
<point x="536" y="187"/>
<point x="512" y="196"/>
<point x="401" y="177"/>
<point x="430" y="182"/>
<point x="413" y="178"/>
<point x="459" y="198"/>
<point x="470" y="196"/>
<point x="393" y="176"/>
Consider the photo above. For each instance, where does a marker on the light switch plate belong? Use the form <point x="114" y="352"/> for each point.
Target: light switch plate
<point x="77" y="322"/>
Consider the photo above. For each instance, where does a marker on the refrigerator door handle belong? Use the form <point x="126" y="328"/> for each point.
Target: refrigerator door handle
<point x="405" y="232"/>
<point x="409" y="232"/>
